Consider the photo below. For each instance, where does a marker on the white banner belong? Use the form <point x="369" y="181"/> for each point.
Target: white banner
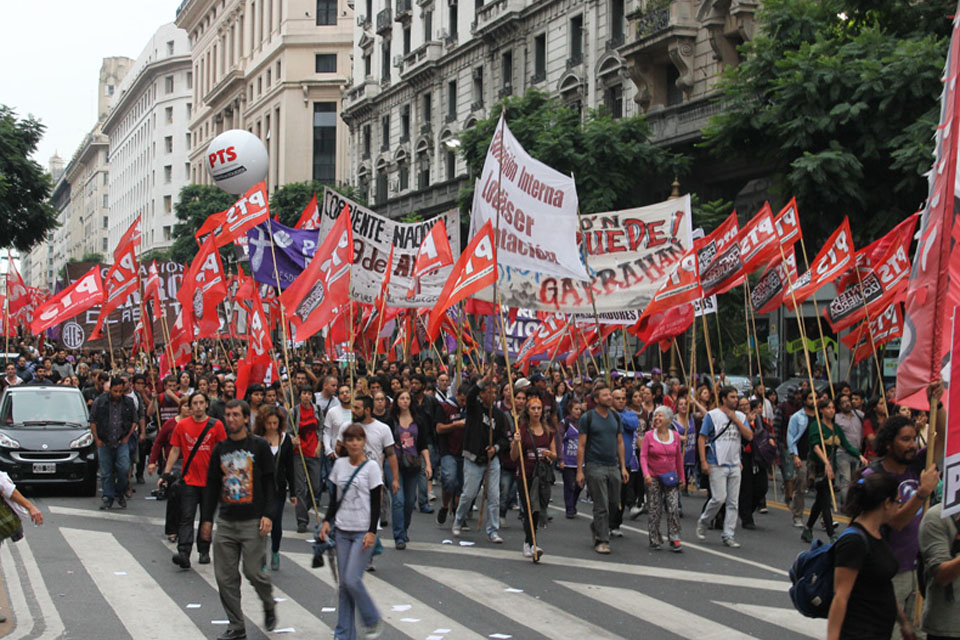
<point x="373" y="235"/>
<point x="710" y="304"/>
<point x="630" y="252"/>
<point x="537" y="210"/>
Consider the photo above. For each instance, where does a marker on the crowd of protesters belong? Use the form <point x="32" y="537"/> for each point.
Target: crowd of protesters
<point x="475" y="443"/>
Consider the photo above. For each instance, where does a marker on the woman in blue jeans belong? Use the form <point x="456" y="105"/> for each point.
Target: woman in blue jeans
<point x="411" y="445"/>
<point x="356" y="485"/>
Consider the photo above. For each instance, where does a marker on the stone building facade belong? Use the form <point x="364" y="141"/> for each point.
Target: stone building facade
<point x="424" y="70"/>
<point x="278" y="69"/>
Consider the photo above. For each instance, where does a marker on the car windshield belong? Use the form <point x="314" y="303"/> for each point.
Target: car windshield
<point x="41" y="407"/>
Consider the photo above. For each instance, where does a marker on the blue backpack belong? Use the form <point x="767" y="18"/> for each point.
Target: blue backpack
<point x="812" y="577"/>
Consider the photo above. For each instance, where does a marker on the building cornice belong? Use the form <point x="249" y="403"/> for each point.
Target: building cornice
<point x="146" y="75"/>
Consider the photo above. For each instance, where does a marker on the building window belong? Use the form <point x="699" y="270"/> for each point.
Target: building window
<point x="167" y="235"/>
<point x="189" y="110"/>
<point x="326" y="62"/>
<point x="168" y="204"/>
<point x="168" y="84"/>
<point x="576" y="40"/>
<point x="451" y="100"/>
<point x="613" y="100"/>
<point x="168" y="144"/>
<point x="169" y="113"/>
<point x="423" y="170"/>
<point x="385" y="132"/>
<point x="367" y="65"/>
<point x="616" y="22"/>
<point x="507" y="74"/>
<point x="325" y="141"/>
<point x="451" y="165"/>
<point x="259" y="86"/>
<point x="326" y="12"/>
<point x="170" y="47"/>
<point x="404" y="123"/>
<point x="278" y="65"/>
<point x="427" y="26"/>
<point x="406" y="40"/>
<point x="452" y="26"/>
<point x="268" y="77"/>
<point x="674" y="93"/>
<point x="103" y="244"/>
<point x="106" y="222"/>
<point x="404" y="176"/>
<point x="167" y="174"/>
<point x="381" y="187"/>
<point x="367" y="142"/>
<point x="540" y="57"/>
<point x="106" y="201"/>
<point x="477" y="87"/>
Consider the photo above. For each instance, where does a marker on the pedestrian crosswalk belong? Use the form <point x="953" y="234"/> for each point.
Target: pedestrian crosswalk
<point x="433" y="590"/>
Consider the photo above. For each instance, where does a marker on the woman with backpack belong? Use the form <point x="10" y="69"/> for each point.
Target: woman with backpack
<point x="354" y="512"/>
<point x="825" y="438"/>
<point x="864" y="605"/>
<point x="756" y="457"/>
<point x="661" y="458"/>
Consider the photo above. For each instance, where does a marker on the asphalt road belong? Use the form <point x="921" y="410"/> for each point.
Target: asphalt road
<point x="88" y="574"/>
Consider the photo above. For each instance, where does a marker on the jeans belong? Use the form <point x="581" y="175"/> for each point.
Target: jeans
<point x="473" y="474"/>
<point x="235" y="540"/>
<point x="276" y="533"/>
<point x="397" y="501"/>
<point x="571" y="490"/>
<point x="352" y="559"/>
<point x="114" y="460"/>
<point x="603" y="483"/>
<point x="451" y="475"/>
<point x="190" y="498"/>
<point x="315" y="468"/>
<point x="408" y="484"/>
<point x="725" y="491"/>
<point x="509" y="495"/>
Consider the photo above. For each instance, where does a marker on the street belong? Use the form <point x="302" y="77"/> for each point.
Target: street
<point x="92" y="574"/>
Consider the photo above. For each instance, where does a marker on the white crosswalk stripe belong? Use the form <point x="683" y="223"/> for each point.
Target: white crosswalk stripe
<point x="657" y="612"/>
<point x="786" y="618"/>
<point x="126" y="586"/>
<point x="17" y="560"/>
<point x="386" y="595"/>
<point x="522" y="608"/>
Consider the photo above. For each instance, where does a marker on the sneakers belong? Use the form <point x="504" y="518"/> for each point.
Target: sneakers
<point x="442" y="516"/>
<point x="701" y="531"/>
<point x="182" y="560"/>
<point x="426" y="509"/>
<point x="204" y="558"/>
<point x="571" y="515"/>
<point x="616" y="533"/>
<point x="806" y="535"/>
<point x="602" y="547"/>
<point x="375" y="631"/>
<point x="275" y="562"/>
<point x="675" y="546"/>
<point x="455" y="529"/>
<point x="749" y="525"/>
<point x="655" y="546"/>
<point x="635" y="512"/>
<point x="495" y="538"/>
<point x="798" y="523"/>
<point x="529" y="550"/>
<point x="270" y="619"/>
<point x="730" y="542"/>
<point x="763" y="510"/>
<point x="122" y="501"/>
<point x="301" y="528"/>
<point x="106" y="504"/>
<point x="233" y="634"/>
<point x="400" y="545"/>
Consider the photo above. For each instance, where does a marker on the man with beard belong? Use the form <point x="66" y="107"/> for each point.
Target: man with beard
<point x="798" y="445"/>
<point x="61" y="366"/>
<point x="379" y="447"/>
<point x="228" y="393"/>
<point x="902" y="459"/>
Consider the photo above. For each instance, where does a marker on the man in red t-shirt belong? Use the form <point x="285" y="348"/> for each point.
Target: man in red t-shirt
<point x="307" y="421"/>
<point x="183" y="440"/>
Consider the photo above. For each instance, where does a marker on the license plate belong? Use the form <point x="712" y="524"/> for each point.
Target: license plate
<point x="44" y="467"/>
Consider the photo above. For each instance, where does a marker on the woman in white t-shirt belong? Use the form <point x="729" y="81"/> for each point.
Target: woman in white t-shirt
<point x="354" y="510"/>
<point x="21" y="507"/>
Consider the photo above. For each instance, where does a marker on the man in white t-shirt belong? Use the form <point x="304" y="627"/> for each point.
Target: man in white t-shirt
<point x="327" y="396"/>
<point x="719" y="445"/>
<point x="335" y="420"/>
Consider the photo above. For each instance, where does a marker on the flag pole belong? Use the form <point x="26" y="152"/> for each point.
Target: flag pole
<point x="683" y="370"/>
<point x="459" y="374"/>
<point x="706" y="341"/>
<point x="692" y="382"/>
<point x="806" y="354"/>
<point x="746" y="322"/>
<point x="6" y="330"/>
<point x="853" y="355"/>
<point x="593" y="304"/>
<point x="816" y="309"/>
<point x="113" y="364"/>
<point x="873" y="345"/>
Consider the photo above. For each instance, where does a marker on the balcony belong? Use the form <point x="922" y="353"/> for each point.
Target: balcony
<point x="498" y="18"/>
<point x="363" y="22"/>
<point x="450" y="117"/>
<point x="426" y="129"/>
<point x="231" y="80"/>
<point x="682" y="123"/>
<point x="652" y="22"/>
<point x="426" y="199"/>
<point x="404" y="11"/>
<point x="506" y="91"/>
<point x="476" y="106"/>
<point x="384" y="21"/>
<point x="574" y="60"/>
<point x="421" y="60"/>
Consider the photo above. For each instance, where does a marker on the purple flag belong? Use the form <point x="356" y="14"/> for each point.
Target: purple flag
<point x="294" y="249"/>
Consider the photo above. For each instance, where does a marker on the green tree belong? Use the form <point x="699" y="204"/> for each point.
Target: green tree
<point x="195" y="204"/>
<point x="612" y="159"/>
<point x="839" y="98"/>
<point x="291" y="199"/>
<point x="26" y="215"/>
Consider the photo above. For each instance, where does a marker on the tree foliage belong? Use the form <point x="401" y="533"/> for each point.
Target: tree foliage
<point x="26" y="215"/>
<point x="613" y="161"/>
<point x="840" y="98"/>
<point x="291" y="199"/>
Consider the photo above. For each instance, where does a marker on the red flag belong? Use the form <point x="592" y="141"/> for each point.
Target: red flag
<point x="324" y="284"/>
<point x="6" y="328"/>
<point x="151" y="290"/>
<point x="718" y="257"/>
<point x="759" y="241"/>
<point x="120" y="281"/>
<point x="181" y="341"/>
<point x="933" y="291"/>
<point x="475" y="307"/>
<point x="834" y="258"/>
<point x="547" y="335"/>
<point x="260" y="344"/>
<point x="886" y="326"/>
<point x="661" y="328"/>
<point x="682" y="286"/>
<point x="17" y="297"/>
<point x="768" y="293"/>
<point x="787" y="224"/>
<point x="476" y="269"/>
<point x="129" y="241"/>
<point x="434" y="253"/>
<point x="877" y="251"/>
<point x="310" y="218"/>
<point x="878" y="287"/>
<point x="78" y="297"/>
<point x="202" y="289"/>
<point x="248" y="211"/>
<point x="142" y="336"/>
<point x="213" y="221"/>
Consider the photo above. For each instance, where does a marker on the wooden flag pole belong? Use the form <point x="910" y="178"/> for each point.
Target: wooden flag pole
<point x="596" y="316"/>
<point x="806" y="354"/>
<point x="350" y="356"/>
<point x="693" y="355"/>
<point x="756" y="338"/>
<point x="459" y="363"/>
<point x="746" y="322"/>
<point x="816" y="309"/>
<point x="706" y="341"/>
<point x="6" y="330"/>
<point x="226" y="355"/>
<point x="852" y="355"/>
<point x="113" y="364"/>
<point x="626" y="354"/>
<point x="683" y="370"/>
<point x="873" y="345"/>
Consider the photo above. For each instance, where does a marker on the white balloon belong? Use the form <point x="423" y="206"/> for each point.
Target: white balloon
<point x="236" y="160"/>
